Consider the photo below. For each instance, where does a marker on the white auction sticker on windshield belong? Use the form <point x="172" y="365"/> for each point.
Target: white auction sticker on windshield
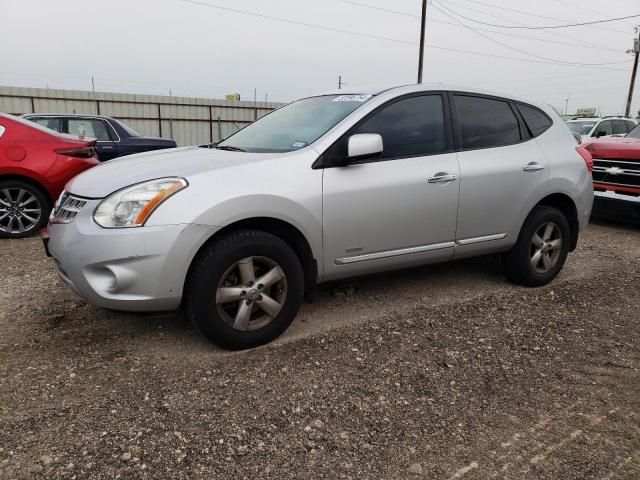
<point x="352" y="98"/>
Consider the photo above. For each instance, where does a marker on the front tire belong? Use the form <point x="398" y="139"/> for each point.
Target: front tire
<point x="24" y="209"/>
<point x="541" y="249"/>
<point x="244" y="289"/>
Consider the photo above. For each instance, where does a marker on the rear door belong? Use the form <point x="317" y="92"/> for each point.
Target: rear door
<point x="502" y="169"/>
<point x="399" y="209"/>
<point x="97" y="128"/>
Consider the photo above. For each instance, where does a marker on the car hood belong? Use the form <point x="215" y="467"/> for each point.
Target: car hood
<point x="106" y="178"/>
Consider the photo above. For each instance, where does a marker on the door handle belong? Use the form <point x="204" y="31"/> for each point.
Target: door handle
<point x="533" y="167"/>
<point x="442" y="178"/>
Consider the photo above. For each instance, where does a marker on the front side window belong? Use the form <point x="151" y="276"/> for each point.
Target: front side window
<point x="581" y="127"/>
<point x="410" y="127"/>
<point x="89" y="128"/>
<point x="486" y="122"/>
<point x="536" y="121"/>
<point x="294" y="126"/>
<point x="603" y="128"/>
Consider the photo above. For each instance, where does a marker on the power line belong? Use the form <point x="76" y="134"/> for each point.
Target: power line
<point x="556" y="33"/>
<point x="331" y="29"/>
<point x="531" y="14"/>
<point x="514" y="48"/>
<point x="443" y="22"/>
<point x="296" y="22"/>
<point x="543" y="27"/>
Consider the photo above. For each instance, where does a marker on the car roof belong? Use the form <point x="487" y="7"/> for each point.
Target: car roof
<point x="80" y="115"/>
<point x="423" y="87"/>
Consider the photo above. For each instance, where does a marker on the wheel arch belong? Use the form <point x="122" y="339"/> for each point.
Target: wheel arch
<point x="568" y="207"/>
<point x="286" y="232"/>
<point x="27" y="179"/>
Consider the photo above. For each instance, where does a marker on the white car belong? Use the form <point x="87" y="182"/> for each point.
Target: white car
<point x="594" y="127"/>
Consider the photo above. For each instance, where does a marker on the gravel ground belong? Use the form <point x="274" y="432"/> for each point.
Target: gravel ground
<point x="443" y="372"/>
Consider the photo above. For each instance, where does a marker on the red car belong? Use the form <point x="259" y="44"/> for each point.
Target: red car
<point x="616" y="177"/>
<point x="35" y="165"/>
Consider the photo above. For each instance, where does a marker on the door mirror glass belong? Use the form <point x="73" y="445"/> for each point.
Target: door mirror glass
<point x="365" y="145"/>
<point x="600" y="133"/>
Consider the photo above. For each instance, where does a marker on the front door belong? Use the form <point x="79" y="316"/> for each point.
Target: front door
<point x="397" y="210"/>
<point x="106" y="147"/>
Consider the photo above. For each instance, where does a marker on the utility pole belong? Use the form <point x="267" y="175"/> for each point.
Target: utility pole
<point x="422" y="31"/>
<point x="566" y="105"/>
<point x="339" y="82"/>
<point x="93" y="87"/>
<point x="636" y="53"/>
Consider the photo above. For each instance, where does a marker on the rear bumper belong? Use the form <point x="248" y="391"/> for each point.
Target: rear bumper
<point x="615" y="206"/>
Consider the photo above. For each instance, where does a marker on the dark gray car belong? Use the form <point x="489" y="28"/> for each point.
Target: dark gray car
<point x="114" y="138"/>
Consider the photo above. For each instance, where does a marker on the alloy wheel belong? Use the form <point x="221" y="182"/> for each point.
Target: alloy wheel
<point x="20" y="210"/>
<point x="251" y="293"/>
<point x="546" y="246"/>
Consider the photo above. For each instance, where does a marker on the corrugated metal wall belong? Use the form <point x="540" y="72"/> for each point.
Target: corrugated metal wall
<point x="189" y="121"/>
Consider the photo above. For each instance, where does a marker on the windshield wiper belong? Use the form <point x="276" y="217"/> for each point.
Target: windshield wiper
<point x="230" y="148"/>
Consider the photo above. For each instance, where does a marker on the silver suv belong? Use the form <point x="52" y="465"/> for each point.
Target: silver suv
<point x="328" y="187"/>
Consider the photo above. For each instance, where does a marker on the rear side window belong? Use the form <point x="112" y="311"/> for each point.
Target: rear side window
<point x="537" y="122"/>
<point x="47" y="122"/>
<point x="620" y="127"/>
<point x="485" y="122"/>
<point x="630" y="125"/>
<point x="89" y="128"/>
<point x="409" y="128"/>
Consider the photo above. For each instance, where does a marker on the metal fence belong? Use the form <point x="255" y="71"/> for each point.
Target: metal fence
<point x="187" y="120"/>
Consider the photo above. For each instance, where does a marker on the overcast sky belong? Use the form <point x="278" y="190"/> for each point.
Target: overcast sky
<point x="152" y="46"/>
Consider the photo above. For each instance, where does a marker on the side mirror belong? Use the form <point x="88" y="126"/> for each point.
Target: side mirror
<point x="364" y="145"/>
<point x="578" y="137"/>
<point x="600" y="134"/>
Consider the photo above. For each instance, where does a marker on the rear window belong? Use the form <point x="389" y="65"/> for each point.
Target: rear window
<point x="486" y="122"/>
<point x="537" y="122"/>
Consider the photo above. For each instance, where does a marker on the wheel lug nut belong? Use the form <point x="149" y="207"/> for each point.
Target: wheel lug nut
<point x="260" y="297"/>
<point x="260" y="286"/>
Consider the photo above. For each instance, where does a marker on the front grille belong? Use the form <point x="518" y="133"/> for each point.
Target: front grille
<point x="617" y="174"/>
<point x="67" y="208"/>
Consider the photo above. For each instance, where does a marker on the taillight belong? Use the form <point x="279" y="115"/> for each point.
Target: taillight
<point x="588" y="159"/>
<point x="79" y="152"/>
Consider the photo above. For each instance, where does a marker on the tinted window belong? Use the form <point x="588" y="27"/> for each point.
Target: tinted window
<point x="620" y="127"/>
<point x="88" y="128"/>
<point x="630" y="125"/>
<point x="635" y="133"/>
<point x="536" y="121"/>
<point x="604" y="128"/>
<point x="485" y="122"/>
<point x="50" y="123"/>
<point x="409" y="128"/>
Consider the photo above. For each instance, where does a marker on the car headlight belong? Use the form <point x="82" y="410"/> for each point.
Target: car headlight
<point x="132" y="206"/>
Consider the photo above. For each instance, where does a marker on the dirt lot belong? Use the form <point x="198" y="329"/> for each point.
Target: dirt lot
<point x="444" y="372"/>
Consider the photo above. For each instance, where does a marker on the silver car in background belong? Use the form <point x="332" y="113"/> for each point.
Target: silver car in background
<point x="332" y="186"/>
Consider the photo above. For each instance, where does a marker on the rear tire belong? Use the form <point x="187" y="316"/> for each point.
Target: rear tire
<point x="244" y="289"/>
<point x="24" y="209"/>
<point x="541" y="249"/>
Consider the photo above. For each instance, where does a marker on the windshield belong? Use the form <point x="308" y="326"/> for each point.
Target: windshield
<point x="583" y="128"/>
<point x="129" y="130"/>
<point x="294" y="126"/>
<point x="635" y="133"/>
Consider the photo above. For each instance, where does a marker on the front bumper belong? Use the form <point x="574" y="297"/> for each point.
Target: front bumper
<point x="132" y="269"/>
<point x="616" y="206"/>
